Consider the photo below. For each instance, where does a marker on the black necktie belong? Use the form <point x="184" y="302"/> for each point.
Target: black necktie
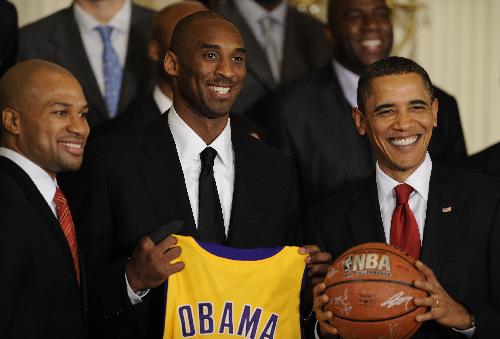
<point x="210" y="220"/>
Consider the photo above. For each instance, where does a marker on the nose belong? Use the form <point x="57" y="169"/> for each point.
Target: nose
<point x="225" y="68"/>
<point x="370" y="23"/>
<point x="79" y="126"/>
<point x="403" y="120"/>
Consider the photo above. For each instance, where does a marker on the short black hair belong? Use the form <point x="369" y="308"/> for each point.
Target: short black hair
<point x="393" y="65"/>
<point x="181" y="31"/>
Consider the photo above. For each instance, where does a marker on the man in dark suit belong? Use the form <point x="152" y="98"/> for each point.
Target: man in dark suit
<point x="43" y="132"/>
<point x="9" y="37"/>
<point x="298" y="42"/>
<point x="71" y="39"/>
<point x="486" y="162"/>
<point x="311" y="120"/>
<point x="143" y="177"/>
<point x="452" y="218"/>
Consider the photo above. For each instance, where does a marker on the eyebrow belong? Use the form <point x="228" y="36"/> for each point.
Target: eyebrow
<point x="211" y="46"/>
<point x="67" y="104"/>
<point x="419" y="102"/>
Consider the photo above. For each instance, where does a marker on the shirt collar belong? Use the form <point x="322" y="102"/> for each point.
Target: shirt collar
<point x="120" y="21"/>
<point x="42" y="180"/>
<point x="254" y="12"/>
<point x="348" y="81"/>
<point x="419" y="180"/>
<point x="162" y="101"/>
<point x="190" y="145"/>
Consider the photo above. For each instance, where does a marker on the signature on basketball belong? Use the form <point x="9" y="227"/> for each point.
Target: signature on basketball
<point x="397" y="299"/>
<point x="342" y="302"/>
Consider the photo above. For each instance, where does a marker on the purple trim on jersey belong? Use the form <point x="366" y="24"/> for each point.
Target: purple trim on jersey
<point x="303" y="318"/>
<point x="244" y="254"/>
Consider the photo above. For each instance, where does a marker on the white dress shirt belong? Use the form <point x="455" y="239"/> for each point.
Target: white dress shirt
<point x="252" y="12"/>
<point x="162" y="101"/>
<point x="419" y="180"/>
<point x="92" y="41"/>
<point x="45" y="184"/>
<point x="348" y="82"/>
<point x="189" y="146"/>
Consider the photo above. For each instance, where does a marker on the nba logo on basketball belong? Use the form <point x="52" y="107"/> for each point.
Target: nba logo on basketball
<point x="367" y="263"/>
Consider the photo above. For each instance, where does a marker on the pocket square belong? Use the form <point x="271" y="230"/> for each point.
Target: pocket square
<point x="446" y="209"/>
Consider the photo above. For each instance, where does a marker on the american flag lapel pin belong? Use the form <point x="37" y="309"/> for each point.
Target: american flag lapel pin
<point x="446" y="209"/>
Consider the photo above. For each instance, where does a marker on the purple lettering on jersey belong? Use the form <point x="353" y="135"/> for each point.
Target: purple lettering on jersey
<point x="270" y="328"/>
<point x="186" y="314"/>
<point x="239" y="253"/>
<point x="249" y="322"/>
<point x="205" y="317"/>
<point x="227" y="319"/>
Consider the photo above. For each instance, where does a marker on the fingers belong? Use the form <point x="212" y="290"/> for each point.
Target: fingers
<point x="309" y="249"/>
<point x="320" y="300"/>
<point x="428" y="273"/>
<point x="166" y="243"/>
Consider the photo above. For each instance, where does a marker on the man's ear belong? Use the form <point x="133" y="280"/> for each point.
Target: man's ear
<point x="10" y="121"/>
<point x="359" y="121"/>
<point x="435" y="108"/>
<point x="171" y="64"/>
<point x="154" y="50"/>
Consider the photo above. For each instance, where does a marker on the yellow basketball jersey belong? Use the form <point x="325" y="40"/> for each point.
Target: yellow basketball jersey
<point x="225" y="292"/>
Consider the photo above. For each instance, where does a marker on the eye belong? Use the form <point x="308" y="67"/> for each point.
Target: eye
<point x="83" y="114"/>
<point x="385" y="111"/>
<point x="417" y="108"/>
<point x="211" y="55"/>
<point x="61" y="113"/>
<point x="383" y="14"/>
<point x="239" y="59"/>
<point x="353" y="15"/>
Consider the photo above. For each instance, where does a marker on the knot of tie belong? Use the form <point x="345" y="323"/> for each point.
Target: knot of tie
<point x="207" y="157"/>
<point x="105" y="33"/>
<point x="60" y="198"/>
<point x="403" y="192"/>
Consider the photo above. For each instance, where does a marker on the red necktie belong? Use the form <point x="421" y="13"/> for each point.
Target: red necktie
<point x="404" y="229"/>
<point x="68" y="228"/>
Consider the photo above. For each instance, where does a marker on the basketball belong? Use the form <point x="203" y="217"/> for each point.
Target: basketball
<point x="371" y="292"/>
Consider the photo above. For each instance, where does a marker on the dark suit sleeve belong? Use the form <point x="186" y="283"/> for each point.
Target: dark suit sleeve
<point x="448" y="143"/>
<point x="108" y="296"/>
<point x="9" y="36"/>
<point x="488" y="314"/>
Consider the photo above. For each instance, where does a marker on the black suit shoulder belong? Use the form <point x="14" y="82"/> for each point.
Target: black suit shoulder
<point x="486" y="162"/>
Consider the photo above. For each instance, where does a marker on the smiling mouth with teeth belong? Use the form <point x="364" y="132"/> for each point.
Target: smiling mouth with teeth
<point x="372" y="43"/>
<point x="71" y="144"/>
<point x="220" y="90"/>
<point x="404" y="141"/>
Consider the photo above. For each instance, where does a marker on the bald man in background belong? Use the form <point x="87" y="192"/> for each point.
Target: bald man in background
<point x="43" y="132"/>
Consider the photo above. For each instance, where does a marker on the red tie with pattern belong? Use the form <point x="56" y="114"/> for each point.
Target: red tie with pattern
<point x="404" y="229"/>
<point x="68" y="228"/>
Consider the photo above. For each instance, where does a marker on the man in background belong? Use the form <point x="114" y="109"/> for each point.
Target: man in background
<point x="104" y="44"/>
<point x="282" y="44"/>
<point x="311" y="120"/>
<point x="43" y="132"/>
<point x="150" y="106"/>
<point x="9" y="36"/>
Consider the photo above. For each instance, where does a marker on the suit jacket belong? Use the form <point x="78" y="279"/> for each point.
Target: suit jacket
<point x="487" y="161"/>
<point x="311" y="121"/>
<point x="56" y="38"/>
<point x="305" y="48"/>
<point x="39" y="291"/>
<point x="135" y="184"/>
<point x="142" y="109"/>
<point x="9" y="36"/>
<point x="460" y="246"/>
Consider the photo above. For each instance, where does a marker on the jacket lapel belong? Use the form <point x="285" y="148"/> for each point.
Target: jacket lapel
<point x="163" y="176"/>
<point x="66" y="37"/>
<point x="364" y="218"/>
<point x="443" y="210"/>
<point x="41" y="207"/>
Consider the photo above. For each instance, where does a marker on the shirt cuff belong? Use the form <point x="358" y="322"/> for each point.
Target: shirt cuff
<point x="316" y="335"/>
<point x="135" y="298"/>
<point x="468" y="333"/>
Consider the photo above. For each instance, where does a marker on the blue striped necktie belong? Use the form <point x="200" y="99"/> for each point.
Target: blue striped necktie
<point x="111" y="69"/>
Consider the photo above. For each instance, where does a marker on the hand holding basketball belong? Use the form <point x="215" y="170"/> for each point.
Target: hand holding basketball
<point x="442" y="307"/>
<point x="323" y="317"/>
